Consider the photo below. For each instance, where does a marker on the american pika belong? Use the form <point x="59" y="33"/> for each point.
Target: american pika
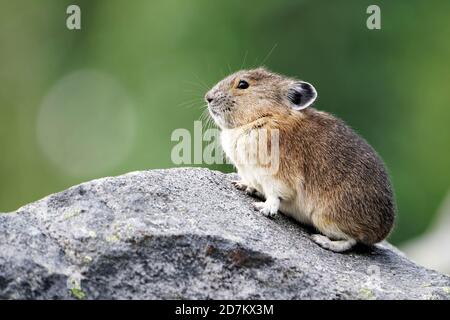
<point x="325" y="176"/>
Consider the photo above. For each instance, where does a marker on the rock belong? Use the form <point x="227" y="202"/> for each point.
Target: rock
<point x="186" y="233"/>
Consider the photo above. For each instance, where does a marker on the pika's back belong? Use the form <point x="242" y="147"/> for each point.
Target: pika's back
<point x="339" y="166"/>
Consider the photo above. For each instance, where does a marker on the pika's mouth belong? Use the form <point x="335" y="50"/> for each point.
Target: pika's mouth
<point x="220" y="114"/>
<point x="213" y="110"/>
<point x="218" y="109"/>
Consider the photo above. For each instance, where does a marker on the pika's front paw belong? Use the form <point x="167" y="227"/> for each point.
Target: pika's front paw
<point x="266" y="209"/>
<point x="239" y="184"/>
<point x="252" y="191"/>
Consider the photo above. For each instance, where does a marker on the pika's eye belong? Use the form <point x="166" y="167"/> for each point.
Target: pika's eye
<point x="242" y="84"/>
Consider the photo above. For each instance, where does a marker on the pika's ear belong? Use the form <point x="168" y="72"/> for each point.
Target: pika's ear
<point x="301" y="95"/>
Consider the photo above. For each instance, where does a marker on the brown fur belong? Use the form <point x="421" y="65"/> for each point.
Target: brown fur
<point x="320" y="156"/>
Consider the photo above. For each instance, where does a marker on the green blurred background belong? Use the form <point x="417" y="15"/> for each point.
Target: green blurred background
<point x="104" y="100"/>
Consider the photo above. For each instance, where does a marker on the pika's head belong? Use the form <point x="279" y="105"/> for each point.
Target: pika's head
<point x="249" y="95"/>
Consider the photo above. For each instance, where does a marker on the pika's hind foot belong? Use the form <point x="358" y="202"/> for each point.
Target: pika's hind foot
<point x="333" y="245"/>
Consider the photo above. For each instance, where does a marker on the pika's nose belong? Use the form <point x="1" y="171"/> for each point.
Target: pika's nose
<point x="209" y="98"/>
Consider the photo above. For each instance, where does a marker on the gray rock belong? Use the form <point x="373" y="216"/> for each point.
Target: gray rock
<point x="186" y="233"/>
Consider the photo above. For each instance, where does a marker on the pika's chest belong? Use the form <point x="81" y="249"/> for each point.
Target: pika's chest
<point x="229" y="141"/>
<point x="244" y="151"/>
<point x="243" y="148"/>
<point x="237" y="146"/>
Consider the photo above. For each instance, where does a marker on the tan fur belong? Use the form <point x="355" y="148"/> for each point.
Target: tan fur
<point x="327" y="177"/>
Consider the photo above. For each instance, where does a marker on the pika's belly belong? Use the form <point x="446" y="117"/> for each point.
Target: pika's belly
<point x="298" y="209"/>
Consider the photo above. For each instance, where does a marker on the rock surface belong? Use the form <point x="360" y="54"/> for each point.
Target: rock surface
<point x="186" y="233"/>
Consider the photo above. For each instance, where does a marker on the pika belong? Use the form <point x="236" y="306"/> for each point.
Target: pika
<point x="326" y="176"/>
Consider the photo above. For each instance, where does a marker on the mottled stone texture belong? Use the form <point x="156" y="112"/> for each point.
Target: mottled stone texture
<point x="186" y="233"/>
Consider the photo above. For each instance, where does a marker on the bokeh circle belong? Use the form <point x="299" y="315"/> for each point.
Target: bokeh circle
<point x="86" y="124"/>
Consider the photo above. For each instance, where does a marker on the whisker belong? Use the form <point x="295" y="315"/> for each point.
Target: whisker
<point x="207" y="121"/>
<point x="245" y="58"/>
<point x="269" y="54"/>
<point x="197" y="93"/>
<point x="199" y="85"/>
<point x="197" y="98"/>
<point x="191" y="103"/>
<point x="205" y="86"/>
